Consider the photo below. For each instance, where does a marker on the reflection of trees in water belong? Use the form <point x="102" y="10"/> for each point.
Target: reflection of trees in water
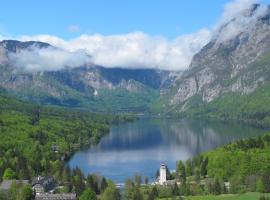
<point x="136" y="135"/>
<point x="193" y="134"/>
<point x="201" y="135"/>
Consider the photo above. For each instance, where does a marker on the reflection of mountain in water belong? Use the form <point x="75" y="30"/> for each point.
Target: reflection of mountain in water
<point x="141" y="146"/>
<point x="200" y="135"/>
<point x="138" y="135"/>
<point x="194" y="135"/>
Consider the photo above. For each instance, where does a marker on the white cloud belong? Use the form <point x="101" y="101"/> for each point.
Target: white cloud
<point x="139" y="50"/>
<point x="236" y="18"/>
<point x="236" y="8"/>
<point x="47" y="59"/>
<point x="133" y="50"/>
<point x="73" y="28"/>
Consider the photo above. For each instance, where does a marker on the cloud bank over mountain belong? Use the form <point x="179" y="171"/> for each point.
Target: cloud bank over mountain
<point x="48" y="59"/>
<point x="133" y="50"/>
<point x="136" y="49"/>
<point x="238" y="16"/>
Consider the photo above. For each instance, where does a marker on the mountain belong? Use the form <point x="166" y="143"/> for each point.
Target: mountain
<point x="230" y="76"/>
<point x="91" y="86"/>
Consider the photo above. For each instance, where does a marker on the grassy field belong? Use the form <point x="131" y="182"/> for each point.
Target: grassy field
<point x="247" y="196"/>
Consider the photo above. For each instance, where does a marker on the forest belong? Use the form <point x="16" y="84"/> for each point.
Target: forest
<point x="38" y="140"/>
<point x="241" y="168"/>
<point x="253" y="108"/>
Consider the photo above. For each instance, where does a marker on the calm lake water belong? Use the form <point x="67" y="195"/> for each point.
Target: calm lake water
<point x="141" y="146"/>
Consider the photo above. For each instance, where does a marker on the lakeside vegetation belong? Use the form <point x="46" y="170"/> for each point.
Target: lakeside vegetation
<point x="247" y="196"/>
<point x="239" y="170"/>
<point x="38" y="140"/>
<point x="253" y="108"/>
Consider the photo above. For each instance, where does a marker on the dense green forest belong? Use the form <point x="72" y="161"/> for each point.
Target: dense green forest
<point x="241" y="169"/>
<point x="37" y="140"/>
<point x="253" y="108"/>
<point x="34" y="139"/>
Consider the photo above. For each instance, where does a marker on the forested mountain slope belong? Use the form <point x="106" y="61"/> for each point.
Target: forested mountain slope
<point x="230" y="76"/>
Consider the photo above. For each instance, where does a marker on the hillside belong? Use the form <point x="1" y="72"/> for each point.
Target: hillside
<point x="90" y="86"/>
<point x="37" y="139"/>
<point x="244" y="164"/>
<point x="228" y="78"/>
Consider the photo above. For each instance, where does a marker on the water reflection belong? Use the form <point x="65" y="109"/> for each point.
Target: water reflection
<point x="141" y="146"/>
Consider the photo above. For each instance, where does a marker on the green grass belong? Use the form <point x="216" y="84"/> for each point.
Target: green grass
<point x="247" y="196"/>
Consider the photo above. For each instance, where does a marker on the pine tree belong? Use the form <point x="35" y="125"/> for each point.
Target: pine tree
<point x="204" y="167"/>
<point x="181" y="171"/>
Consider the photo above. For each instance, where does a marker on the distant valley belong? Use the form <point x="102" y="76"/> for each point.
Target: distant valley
<point x="229" y="78"/>
<point x="94" y="87"/>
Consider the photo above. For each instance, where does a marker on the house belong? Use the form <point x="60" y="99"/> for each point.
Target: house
<point x="227" y="185"/>
<point x="47" y="196"/>
<point x="41" y="185"/>
<point x="55" y="148"/>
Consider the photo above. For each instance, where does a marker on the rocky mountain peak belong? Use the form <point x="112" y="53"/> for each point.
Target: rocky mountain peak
<point x="226" y="63"/>
<point x="14" y="45"/>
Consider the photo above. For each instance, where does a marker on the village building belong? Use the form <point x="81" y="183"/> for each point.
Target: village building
<point x="41" y="185"/>
<point x="162" y="174"/>
<point x="162" y="179"/>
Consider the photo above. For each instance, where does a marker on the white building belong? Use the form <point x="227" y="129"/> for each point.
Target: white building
<point x="162" y="174"/>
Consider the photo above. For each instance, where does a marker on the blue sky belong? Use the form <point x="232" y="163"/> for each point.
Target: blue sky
<point x="161" y="34"/>
<point x="168" y="18"/>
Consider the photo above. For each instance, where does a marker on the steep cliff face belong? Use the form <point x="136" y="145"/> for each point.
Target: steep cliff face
<point x="230" y="63"/>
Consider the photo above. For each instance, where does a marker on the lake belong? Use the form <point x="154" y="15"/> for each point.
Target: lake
<point x="140" y="147"/>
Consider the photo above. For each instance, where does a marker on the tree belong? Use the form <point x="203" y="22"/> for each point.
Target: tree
<point x="111" y="193"/>
<point x="9" y="174"/>
<point x="204" y="167"/>
<point x="137" y="194"/>
<point x="189" y="167"/>
<point x="129" y="189"/>
<point x="217" y="187"/>
<point x="266" y="182"/>
<point x="146" y="181"/>
<point x="175" y="189"/>
<point x="260" y="186"/>
<point x="36" y="116"/>
<point x="236" y="184"/>
<point x="27" y="193"/>
<point x="264" y="198"/>
<point x="181" y="171"/>
<point x="157" y="174"/>
<point x="138" y="180"/>
<point x="197" y="175"/>
<point x="88" y="194"/>
<point x="153" y="194"/>
<point x="37" y="154"/>
<point x="13" y="191"/>
<point x="103" y="184"/>
<point x="66" y="176"/>
<point x="92" y="182"/>
<point x="79" y="184"/>
<point x="168" y="174"/>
